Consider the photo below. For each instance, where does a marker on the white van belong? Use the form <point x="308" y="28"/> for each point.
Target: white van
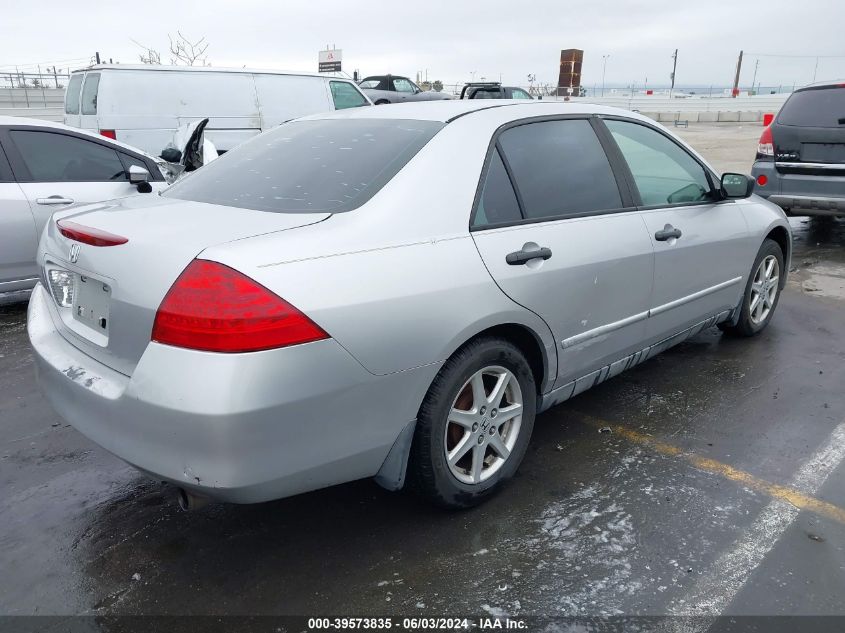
<point x="143" y="105"/>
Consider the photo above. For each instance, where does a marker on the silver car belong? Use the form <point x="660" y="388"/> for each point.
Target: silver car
<point x="383" y="89"/>
<point x="48" y="166"/>
<point x="295" y="315"/>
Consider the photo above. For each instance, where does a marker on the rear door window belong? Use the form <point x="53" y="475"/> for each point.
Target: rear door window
<point x="345" y="95"/>
<point x="72" y="95"/>
<point x="89" y="93"/>
<point x="322" y="166"/>
<point x="665" y="174"/>
<point x="816" y="107"/>
<point x="52" y="157"/>
<point x="560" y="169"/>
<point x="498" y="203"/>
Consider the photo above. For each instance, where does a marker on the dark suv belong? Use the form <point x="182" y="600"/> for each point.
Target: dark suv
<point x="801" y="156"/>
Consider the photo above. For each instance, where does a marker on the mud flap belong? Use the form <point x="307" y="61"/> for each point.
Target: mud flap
<point x="391" y="475"/>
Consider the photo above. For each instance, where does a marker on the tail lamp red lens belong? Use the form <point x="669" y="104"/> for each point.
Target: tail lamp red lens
<point x="766" y="145"/>
<point x="109" y="134"/>
<point x="214" y="308"/>
<point x="762" y="180"/>
<point x="89" y="235"/>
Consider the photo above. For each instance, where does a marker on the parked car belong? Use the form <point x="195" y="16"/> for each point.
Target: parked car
<point x="383" y="89"/>
<point x="493" y="90"/>
<point x="801" y="156"/>
<point x="48" y="166"/>
<point x="305" y="318"/>
<point x="144" y="105"/>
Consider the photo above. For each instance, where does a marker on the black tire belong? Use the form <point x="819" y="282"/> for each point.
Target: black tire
<point x="428" y="471"/>
<point x="746" y="325"/>
<point x="382" y="102"/>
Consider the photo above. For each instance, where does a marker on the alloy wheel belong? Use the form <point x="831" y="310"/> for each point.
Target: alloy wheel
<point x="764" y="289"/>
<point x="483" y="424"/>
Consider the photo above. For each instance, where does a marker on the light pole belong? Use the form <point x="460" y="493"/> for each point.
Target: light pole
<point x="603" y="70"/>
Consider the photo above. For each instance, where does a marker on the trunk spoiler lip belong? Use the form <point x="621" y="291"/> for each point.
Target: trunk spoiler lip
<point x="89" y="234"/>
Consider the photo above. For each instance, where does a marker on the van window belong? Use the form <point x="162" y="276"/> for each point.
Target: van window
<point x="72" y="94"/>
<point x="345" y="95"/>
<point x="89" y="93"/>
<point x="323" y="166"/>
<point x="817" y="107"/>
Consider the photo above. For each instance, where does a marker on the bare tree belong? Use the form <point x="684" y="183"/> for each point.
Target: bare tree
<point x="149" y="56"/>
<point x="184" y="51"/>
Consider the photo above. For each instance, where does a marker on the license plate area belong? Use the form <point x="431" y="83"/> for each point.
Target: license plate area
<point x="91" y="300"/>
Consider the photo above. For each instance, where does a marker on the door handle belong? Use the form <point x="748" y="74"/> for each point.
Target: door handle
<point x="667" y="233"/>
<point x="54" y="200"/>
<point x="522" y="257"/>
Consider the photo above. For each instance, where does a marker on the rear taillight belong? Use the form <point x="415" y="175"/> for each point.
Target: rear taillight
<point x="766" y="148"/>
<point x="89" y="235"/>
<point x="762" y="180"/>
<point x="109" y="134"/>
<point x="214" y="308"/>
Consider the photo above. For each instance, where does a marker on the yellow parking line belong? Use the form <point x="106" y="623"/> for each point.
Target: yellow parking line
<point x="784" y="493"/>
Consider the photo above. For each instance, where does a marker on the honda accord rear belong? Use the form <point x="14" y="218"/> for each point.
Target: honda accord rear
<point x="391" y="292"/>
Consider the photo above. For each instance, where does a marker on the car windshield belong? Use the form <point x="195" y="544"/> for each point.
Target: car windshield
<point x="817" y="107"/>
<point x="324" y="166"/>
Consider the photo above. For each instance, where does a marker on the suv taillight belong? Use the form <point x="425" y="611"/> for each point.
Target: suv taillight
<point x="214" y="308"/>
<point x="766" y="148"/>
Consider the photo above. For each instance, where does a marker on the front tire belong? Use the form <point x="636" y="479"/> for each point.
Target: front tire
<point x="762" y="292"/>
<point x="474" y="424"/>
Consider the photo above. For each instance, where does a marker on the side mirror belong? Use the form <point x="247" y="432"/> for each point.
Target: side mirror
<point x="140" y="177"/>
<point x="737" y="185"/>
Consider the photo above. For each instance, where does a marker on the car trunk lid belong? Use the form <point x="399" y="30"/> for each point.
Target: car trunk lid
<point x="116" y="290"/>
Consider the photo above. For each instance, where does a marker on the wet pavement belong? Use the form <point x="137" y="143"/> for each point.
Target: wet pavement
<point x="720" y="487"/>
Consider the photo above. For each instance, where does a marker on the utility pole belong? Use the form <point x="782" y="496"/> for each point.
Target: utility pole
<point x="603" y="70"/>
<point x="735" y="90"/>
<point x="815" y="69"/>
<point x="754" y="79"/>
<point x="674" y="68"/>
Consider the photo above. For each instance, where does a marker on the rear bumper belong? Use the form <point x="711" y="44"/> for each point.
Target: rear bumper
<point x="238" y="427"/>
<point x="801" y="194"/>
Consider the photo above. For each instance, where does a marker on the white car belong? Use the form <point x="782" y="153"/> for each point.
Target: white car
<point x="47" y="166"/>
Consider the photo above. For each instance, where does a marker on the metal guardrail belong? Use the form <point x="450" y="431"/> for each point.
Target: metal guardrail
<point x="762" y="103"/>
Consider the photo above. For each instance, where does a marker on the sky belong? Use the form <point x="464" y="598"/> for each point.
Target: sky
<point x="454" y="41"/>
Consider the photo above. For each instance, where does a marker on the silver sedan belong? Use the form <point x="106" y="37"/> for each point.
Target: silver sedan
<point x="296" y="315"/>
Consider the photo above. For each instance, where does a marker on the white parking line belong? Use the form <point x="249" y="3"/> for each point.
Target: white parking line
<point x="715" y="590"/>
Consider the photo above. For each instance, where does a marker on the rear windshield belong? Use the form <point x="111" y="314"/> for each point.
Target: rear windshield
<point x="817" y="107"/>
<point x="332" y="165"/>
<point x="72" y="95"/>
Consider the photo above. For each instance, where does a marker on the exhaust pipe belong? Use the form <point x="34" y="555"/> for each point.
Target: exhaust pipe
<point x="189" y="501"/>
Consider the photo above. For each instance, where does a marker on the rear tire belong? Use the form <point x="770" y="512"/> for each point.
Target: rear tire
<point x="474" y="424"/>
<point x="762" y="292"/>
<point x="382" y="102"/>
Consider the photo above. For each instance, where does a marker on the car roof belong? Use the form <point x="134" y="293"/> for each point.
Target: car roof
<point x="207" y="69"/>
<point x="830" y="83"/>
<point x="6" y="120"/>
<point x="448" y="110"/>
